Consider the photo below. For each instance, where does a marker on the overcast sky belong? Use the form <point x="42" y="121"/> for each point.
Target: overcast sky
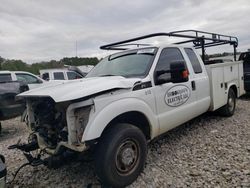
<point x="37" y="30"/>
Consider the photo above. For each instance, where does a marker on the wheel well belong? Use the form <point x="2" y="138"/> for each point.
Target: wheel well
<point x="135" y="118"/>
<point x="234" y="88"/>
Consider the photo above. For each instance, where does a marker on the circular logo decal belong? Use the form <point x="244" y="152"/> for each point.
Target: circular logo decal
<point x="177" y="95"/>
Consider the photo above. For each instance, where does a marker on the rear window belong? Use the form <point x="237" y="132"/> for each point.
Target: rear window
<point x="58" y="76"/>
<point x="5" y="78"/>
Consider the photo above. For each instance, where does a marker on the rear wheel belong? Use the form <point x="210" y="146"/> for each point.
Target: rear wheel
<point x="229" y="108"/>
<point x="120" y="155"/>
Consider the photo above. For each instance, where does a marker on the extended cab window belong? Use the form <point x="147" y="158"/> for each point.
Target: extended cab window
<point x="73" y="75"/>
<point x="59" y="76"/>
<point x="168" y="55"/>
<point x="194" y="60"/>
<point x="5" y="78"/>
<point x="26" y="78"/>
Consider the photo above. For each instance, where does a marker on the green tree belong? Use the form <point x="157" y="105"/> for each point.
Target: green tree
<point x="19" y="65"/>
<point x="1" y="62"/>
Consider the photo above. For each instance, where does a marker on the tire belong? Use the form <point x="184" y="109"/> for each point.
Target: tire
<point x="120" y="155"/>
<point x="229" y="108"/>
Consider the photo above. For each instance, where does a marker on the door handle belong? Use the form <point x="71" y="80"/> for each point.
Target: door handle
<point x="193" y="85"/>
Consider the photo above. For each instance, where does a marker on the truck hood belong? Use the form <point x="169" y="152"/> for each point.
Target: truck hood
<point x="70" y="90"/>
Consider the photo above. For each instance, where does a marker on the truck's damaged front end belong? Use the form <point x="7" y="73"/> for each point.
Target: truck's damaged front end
<point x="57" y="125"/>
<point x="55" y="129"/>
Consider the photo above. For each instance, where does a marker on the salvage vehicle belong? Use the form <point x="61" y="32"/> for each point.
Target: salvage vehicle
<point x="128" y="99"/>
<point x="30" y="79"/>
<point x="245" y="57"/>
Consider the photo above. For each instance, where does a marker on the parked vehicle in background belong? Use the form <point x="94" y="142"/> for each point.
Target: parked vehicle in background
<point x="9" y="107"/>
<point x="30" y="79"/>
<point x="128" y="99"/>
<point x="59" y="74"/>
<point x="245" y="57"/>
<point x="11" y="84"/>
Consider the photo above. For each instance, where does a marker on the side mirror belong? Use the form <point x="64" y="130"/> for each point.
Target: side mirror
<point x="177" y="73"/>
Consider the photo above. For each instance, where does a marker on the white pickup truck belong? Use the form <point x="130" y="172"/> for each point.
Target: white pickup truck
<point x="128" y="99"/>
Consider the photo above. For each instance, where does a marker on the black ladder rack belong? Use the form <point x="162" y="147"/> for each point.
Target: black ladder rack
<point x="200" y="40"/>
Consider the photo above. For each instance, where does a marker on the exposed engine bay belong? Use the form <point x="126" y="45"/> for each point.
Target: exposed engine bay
<point x="57" y="124"/>
<point x="50" y="123"/>
<point x="50" y="132"/>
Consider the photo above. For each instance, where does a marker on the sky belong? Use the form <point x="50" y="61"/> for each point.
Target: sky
<point x="41" y="30"/>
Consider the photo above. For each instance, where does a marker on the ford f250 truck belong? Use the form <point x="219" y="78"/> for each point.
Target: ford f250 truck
<point x="130" y="98"/>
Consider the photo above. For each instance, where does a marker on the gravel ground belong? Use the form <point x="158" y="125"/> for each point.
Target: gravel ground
<point x="209" y="151"/>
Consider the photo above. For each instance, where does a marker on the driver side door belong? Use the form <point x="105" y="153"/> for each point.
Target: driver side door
<point x="175" y="102"/>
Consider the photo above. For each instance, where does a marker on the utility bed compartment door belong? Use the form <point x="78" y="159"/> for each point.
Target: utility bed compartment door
<point x="230" y="73"/>
<point x="218" y="96"/>
<point x="221" y="77"/>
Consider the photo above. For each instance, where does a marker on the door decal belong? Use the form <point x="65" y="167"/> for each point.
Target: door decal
<point x="177" y="95"/>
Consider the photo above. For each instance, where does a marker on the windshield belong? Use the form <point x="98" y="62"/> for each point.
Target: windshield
<point x="133" y="63"/>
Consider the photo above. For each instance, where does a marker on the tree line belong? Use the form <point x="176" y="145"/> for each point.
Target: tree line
<point x="19" y="65"/>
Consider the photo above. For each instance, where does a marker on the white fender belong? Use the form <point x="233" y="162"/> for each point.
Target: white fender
<point x="233" y="84"/>
<point x="98" y="123"/>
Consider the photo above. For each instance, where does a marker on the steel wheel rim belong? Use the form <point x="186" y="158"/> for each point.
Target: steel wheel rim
<point x="127" y="157"/>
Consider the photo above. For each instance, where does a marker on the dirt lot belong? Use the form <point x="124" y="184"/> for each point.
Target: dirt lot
<point x="209" y="151"/>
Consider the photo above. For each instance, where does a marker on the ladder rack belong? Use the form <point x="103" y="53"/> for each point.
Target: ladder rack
<point x="200" y="40"/>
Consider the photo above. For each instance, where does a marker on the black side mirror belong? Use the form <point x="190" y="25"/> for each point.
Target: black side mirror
<point x="177" y="73"/>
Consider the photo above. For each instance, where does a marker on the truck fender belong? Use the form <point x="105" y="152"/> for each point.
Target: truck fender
<point x="96" y="125"/>
<point x="235" y="89"/>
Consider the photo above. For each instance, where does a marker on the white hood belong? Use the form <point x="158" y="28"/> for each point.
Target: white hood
<point x="70" y="90"/>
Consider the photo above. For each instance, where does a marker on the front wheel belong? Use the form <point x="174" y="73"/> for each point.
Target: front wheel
<point x="120" y="155"/>
<point x="229" y="108"/>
